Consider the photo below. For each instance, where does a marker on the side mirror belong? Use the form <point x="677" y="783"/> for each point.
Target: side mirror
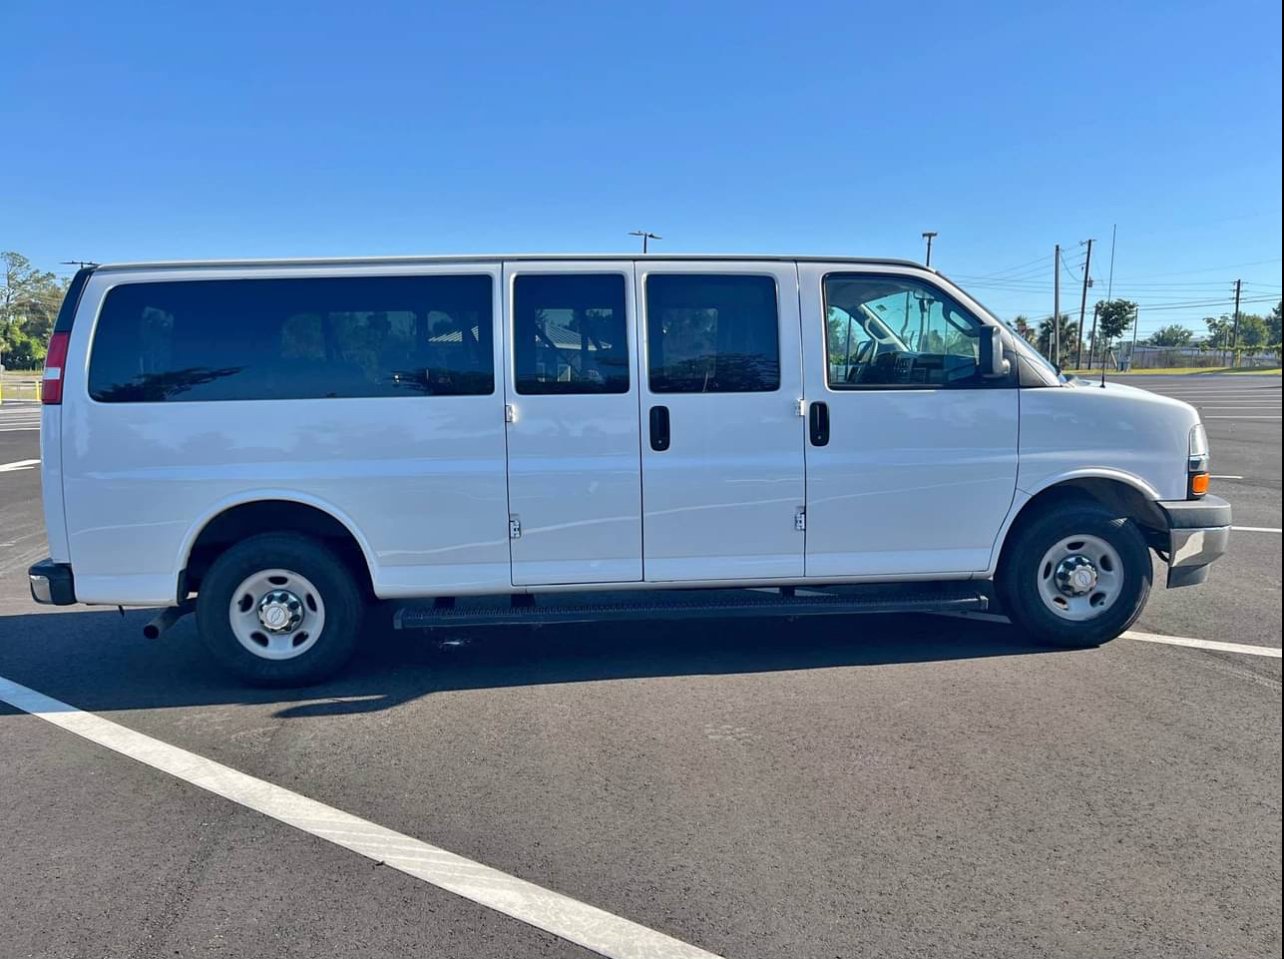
<point x="993" y="362"/>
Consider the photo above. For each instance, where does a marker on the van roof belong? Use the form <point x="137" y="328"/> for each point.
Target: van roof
<point x="491" y="258"/>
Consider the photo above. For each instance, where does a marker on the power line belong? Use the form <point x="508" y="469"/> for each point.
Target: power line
<point x="1020" y="266"/>
<point x="1212" y="269"/>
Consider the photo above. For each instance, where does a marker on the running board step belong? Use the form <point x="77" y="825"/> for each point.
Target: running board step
<point x="593" y="607"/>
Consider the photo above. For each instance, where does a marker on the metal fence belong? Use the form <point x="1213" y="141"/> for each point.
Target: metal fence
<point x="13" y="388"/>
<point x="1142" y="357"/>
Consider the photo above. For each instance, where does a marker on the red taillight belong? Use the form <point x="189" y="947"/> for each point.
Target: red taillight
<point x="55" y="361"/>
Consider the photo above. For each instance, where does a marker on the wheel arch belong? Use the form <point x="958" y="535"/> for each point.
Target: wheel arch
<point x="1125" y="493"/>
<point x="264" y="511"/>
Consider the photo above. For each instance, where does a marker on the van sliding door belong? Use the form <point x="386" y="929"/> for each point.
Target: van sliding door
<point x="574" y="489"/>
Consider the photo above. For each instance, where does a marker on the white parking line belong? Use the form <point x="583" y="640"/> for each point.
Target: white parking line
<point x="1255" y="529"/>
<point x="1272" y="652"/>
<point x="575" y="921"/>
<point x="1251" y="650"/>
<point x="1226" y="476"/>
<point x="1241" y="417"/>
<point x="18" y="465"/>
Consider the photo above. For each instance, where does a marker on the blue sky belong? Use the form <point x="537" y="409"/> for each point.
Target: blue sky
<point x="209" y="130"/>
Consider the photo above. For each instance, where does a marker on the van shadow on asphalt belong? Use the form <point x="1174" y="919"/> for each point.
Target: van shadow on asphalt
<point x="99" y="661"/>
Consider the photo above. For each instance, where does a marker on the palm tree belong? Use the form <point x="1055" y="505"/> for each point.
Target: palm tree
<point x="1069" y="336"/>
<point x="1022" y="325"/>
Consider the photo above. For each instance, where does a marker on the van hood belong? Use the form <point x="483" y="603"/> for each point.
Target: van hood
<point x="1123" y="391"/>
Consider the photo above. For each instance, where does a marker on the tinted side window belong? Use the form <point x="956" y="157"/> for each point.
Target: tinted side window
<point x="891" y="332"/>
<point x="570" y="333"/>
<point x="712" y="334"/>
<point x="294" y="339"/>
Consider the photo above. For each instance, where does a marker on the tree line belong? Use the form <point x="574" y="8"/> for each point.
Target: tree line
<point x="29" y="301"/>
<point x="1257" y="334"/>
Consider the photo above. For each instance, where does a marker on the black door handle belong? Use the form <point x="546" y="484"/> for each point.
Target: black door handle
<point x="819" y="421"/>
<point x="659" y="428"/>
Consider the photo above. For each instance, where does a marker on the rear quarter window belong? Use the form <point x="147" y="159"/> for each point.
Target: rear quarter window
<point x="315" y="338"/>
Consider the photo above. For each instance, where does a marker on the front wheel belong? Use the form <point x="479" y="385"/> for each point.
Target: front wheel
<point x="280" y="609"/>
<point x="1076" y="576"/>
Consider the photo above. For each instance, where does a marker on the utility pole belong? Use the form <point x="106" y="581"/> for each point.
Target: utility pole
<point x="929" y="236"/>
<point x="1110" y="283"/>
<point x="1092" y="341"/>
<point x="1136" y="322"/>
<point x="646" y="235"/>
<point x="1056" y="304"/>
<point x="1083" y="307"/>
<point x="1239" y="284"/>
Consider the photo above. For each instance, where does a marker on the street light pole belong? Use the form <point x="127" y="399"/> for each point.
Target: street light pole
<point x="929" y="235"/>
<point x="646" y="235"/>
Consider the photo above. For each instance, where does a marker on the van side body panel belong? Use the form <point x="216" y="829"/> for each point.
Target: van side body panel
<point x="420" y="479"/>
<point x="1131" y="435"/>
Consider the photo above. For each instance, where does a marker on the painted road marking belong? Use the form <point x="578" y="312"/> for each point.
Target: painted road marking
<point x="1227" y="476"/>
<point x="1247" y="648"/>
<point x="18" y="465"/>
<point x="1241" y="417"/>
<point x="1272" y="652"/>
<point x="575" y="921"/>
<point x="1255" y="529"/>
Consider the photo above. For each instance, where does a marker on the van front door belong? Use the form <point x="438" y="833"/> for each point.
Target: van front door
<point x="912" y="452"/>
<point x="574" y="489"/>
<point x="722" y="452"/>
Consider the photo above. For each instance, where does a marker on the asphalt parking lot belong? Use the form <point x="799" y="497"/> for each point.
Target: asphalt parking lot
<point x="877" y="786"/>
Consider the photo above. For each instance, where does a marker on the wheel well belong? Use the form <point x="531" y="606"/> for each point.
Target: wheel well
<point x="271" y="516"/>
<point x="1117" y="496"/>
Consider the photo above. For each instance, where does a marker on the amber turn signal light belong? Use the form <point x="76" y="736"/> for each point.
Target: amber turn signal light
<point x="1198" y="484"/>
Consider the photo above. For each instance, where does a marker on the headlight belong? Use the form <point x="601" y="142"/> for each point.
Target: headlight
<point x="1197" y="463"/>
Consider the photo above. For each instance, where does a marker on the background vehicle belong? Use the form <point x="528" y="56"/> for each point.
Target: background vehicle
<point x="287" y="440"/>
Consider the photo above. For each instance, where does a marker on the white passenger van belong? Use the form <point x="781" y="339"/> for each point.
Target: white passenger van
<point x="542" y="439"/>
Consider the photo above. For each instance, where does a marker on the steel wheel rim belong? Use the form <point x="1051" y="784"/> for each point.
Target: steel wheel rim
<point x="1080" y="578"/>
<point x="276" y="614"/>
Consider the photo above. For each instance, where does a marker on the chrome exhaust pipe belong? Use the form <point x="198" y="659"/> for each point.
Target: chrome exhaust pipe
<point x="167" y="618"/>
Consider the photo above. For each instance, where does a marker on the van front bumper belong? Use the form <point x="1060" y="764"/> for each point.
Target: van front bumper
<point x="1198" y="534"/>
<point x="52" y="584"/>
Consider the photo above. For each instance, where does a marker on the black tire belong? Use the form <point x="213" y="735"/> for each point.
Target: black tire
<point x="343" y="608"/>
<point x="1019" y="572"/>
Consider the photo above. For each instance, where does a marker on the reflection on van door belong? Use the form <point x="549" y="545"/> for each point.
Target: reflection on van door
<point x="915" y="468"/>
<point x="722" y="451"/>
<point x="574" y="488"/>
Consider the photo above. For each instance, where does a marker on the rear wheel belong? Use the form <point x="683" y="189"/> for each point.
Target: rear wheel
<point x="1076" y="576"/>
<point x="280" y="609"/>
